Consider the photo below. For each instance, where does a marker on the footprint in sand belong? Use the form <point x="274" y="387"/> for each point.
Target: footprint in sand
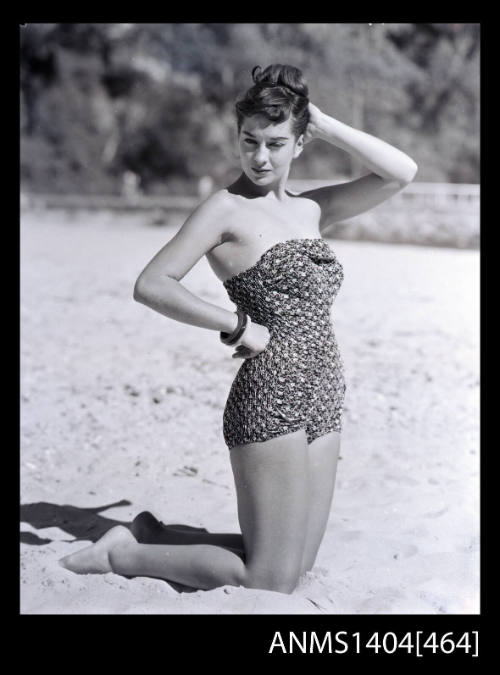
<point x="473" y="546"/>
<point x="350" y="535"/>
<point x="417" y="531"/>
<point x="438" y="603"/>
<point x="436" y="514"/>
<point x="404" y="480"/>
<point x="382" y="603"/>
<point x="406" y="552"/>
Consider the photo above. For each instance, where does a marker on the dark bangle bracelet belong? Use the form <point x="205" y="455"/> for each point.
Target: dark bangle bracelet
<point x="231" y="338"/>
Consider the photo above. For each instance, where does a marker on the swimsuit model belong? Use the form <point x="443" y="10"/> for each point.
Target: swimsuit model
<point x="297" y="381"/>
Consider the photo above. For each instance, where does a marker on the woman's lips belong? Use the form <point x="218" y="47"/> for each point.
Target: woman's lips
<point x="260" y="171"/>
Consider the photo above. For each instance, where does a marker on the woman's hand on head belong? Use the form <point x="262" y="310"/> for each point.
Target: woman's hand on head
<point x="314" y="125"/>
<point x="254" y="340"/>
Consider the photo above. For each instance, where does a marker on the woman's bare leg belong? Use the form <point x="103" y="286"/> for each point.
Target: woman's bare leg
<point x="272" y="489"/>
<point x="117" y="551"/>
<point x="94" y="559"/>
<point x="323" y="458"/>
<point x="149" y="530"/>
<point x="272" y="484"/>
<point x="200" y="566"/>
<point x="323" y="455"/>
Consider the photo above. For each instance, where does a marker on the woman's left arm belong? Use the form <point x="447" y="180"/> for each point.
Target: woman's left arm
<point x="390" y="169"/>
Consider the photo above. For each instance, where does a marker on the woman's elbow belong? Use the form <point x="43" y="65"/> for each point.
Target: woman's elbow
<point x="141" y="290"/>
<point x="150" y="290"/>
<point x="410" y="172"/>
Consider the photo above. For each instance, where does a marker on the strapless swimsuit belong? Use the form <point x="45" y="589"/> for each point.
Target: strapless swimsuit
<point x="297" y="381"/>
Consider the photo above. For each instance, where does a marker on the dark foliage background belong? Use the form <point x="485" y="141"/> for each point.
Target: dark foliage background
<point x="100" y="100"/>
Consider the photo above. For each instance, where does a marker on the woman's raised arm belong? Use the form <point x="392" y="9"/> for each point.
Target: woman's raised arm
<point x="390" y="169"/>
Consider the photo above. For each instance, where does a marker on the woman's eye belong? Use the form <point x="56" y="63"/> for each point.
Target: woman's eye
<point x="249" y="141"/>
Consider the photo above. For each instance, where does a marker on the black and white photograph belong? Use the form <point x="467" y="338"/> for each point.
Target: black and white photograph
<point x="249" y="318"/>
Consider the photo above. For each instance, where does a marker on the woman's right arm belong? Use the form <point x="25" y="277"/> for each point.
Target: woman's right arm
<point x="158" y="286"/>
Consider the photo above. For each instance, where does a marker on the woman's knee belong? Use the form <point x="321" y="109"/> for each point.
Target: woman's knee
<point x="281" y="581"/>
<point x="309" y="557"/>
<point x="307" y="566"/>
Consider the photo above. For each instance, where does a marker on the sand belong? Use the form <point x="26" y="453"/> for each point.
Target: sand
<point x="121" y="412"/>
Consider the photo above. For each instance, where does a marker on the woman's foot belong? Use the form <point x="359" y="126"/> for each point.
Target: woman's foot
<point x="149" y="530"/>
<point x="146" y="528"/>
<point x="94" y="559"/>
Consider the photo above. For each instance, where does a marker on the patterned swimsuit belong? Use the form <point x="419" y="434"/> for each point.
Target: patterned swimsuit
<point x="297" y="382"/>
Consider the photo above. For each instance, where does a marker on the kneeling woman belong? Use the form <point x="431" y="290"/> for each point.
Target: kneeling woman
<point x="283" y="416"/>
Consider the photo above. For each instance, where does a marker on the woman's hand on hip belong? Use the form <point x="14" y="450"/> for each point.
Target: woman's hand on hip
<point x="254" y="340"/>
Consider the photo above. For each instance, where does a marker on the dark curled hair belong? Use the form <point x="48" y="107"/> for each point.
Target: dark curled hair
<point x="278" y="92"/>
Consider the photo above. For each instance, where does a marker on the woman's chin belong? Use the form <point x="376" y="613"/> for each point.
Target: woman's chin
<point x="264" y="178"/>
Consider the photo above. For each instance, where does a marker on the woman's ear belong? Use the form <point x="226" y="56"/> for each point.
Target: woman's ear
<point x="299" y="146"/>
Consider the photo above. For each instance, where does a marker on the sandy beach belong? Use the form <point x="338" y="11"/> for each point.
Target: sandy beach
<point x="121" y="412"/>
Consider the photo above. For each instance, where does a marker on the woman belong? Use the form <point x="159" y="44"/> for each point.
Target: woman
<point x="282" y="420"/>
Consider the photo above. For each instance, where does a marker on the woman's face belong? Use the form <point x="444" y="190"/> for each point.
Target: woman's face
<point x="267" y="149"/>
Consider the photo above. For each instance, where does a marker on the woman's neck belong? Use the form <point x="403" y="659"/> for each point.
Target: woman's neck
<point x="244" y="186"/>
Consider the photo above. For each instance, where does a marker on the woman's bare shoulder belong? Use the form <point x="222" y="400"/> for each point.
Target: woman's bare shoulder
<point x="217" y="206"/>
<point x="219" y="209"/>
<point x="221" y="200"/>
<point x="203" y="230"/>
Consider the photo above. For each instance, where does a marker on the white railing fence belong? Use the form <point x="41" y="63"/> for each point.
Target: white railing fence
<point x="440" y="195"/>
<point x="429" y="214"/>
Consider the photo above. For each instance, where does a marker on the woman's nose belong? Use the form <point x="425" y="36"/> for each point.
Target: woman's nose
<point x="260" y="156"/>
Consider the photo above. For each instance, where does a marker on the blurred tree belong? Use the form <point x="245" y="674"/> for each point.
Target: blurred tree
<point x="98" y="100"/>
<point x="38" y="69"/>
<point x="446" y="100"/>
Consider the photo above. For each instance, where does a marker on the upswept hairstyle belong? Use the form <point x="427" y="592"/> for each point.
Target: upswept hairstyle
<point x="278" y="93"/>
